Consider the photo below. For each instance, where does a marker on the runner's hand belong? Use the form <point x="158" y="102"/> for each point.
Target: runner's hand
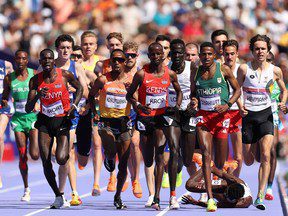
<point x="282" y="107"/>
<point x="96" y="118"/>
<point x="243" y="111"/>
<point x="187" y="199"/>
<point x="221" y="108"/>
<point x="145" y="109"/>
<point x="4" y="103"/>
<point x="70" y="113"/>
<point x="43" y="91"/>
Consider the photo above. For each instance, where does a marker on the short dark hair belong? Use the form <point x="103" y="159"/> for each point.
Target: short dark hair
<point x="62" y="38"/>
<point x="230" y="43"/>
<point x="177" y="41"/>
<point x="20" y="50"/>
<point x="235" y="191"/>
<point x="154" y="44"/>
<point x="77" y="47"/>
<point x="217" y="33"/>
<point x="46" y="50"/>
<point x="206" y="44"/>
<point x="116" y="35"/>
<point x="259" y="37"/>
<point x="117" y="50"/>
<point x="163" y="38"/>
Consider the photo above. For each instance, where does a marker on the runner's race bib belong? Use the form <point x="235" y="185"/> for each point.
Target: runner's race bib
<point x="53" y="109"/>
<point x="156" y="101"/>
<point x="115" y="101"/>
<point x="185" y="99"/>
<point x="208" y="102"/>
<point x="20" y="106"/>
<point x="257" y="98"/>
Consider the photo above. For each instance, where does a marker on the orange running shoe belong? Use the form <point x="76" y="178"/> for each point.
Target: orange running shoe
<point x="136" y="188"/>
<point x="197" y="158"/>
<point x="96" y="190"/>
<point x="125" y="186"/>
<point x="232" y="164"/>
<point x="111" y="187"/>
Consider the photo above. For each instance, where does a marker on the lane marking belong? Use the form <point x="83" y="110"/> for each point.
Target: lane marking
<point x="164" y="211"/>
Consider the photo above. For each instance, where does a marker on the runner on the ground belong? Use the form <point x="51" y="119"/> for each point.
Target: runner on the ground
<point x="230" y="191"/>
<point x="5" y="113"/>
<point x="217" y="39"/>
<point x="153" y="82"/>
<point x="130" y="49"/>
<point x="210" y="86"/>
<point x="22" y="123"/>
<point x="114" y="123"/>
<point x="54" y="120"/>
<point x="230" y="53"/>
<point x="256" y="78"/>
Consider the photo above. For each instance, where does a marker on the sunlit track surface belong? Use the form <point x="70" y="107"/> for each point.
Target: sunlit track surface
<point x="42" y="196"/>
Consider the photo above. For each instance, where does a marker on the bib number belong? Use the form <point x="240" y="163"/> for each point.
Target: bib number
<point x="20" y="106"/>
<point x="208" y="103"/>
<point x="53" y="109"/>
<point x="115" y="101"/>
<point x="156" y="101"/>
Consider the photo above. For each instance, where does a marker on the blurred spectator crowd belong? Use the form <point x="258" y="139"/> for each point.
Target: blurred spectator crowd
<point x="34" y="24"/>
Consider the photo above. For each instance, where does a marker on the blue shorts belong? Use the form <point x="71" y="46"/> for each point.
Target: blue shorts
<point x="75" y="121"/>
<point x="167" y="149"/>
<point x="133" y="116"/>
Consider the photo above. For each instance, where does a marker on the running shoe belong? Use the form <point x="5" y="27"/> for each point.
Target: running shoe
<point x="119" y="204"/>
<point x="125" y="186"/>
<point x="26" y="197"/>
<point x="173" y="203"/>
<point x="203" y="197"/>
<point x="109" y="164"/>
<point x="96" y="190"/>
<point x="76" y="200"/>
<point x="259" y="204"/>
<point x="211" y="205"/>
<point x="165" y="180"/>
<point x="111" y="187"/>
<point x="60" y="202"/>
<point x="156" y="204"/>
<point x="197" y="158"/>
<point x="269" y="194"/>
<point x="149" y="202"/>
<point x="179" y="179"/>
<point x="136" y="188"/>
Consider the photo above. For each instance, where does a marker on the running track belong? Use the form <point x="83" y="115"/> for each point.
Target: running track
<point x="42" y="196"/>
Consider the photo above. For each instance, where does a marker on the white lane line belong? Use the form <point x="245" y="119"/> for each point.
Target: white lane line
<point x="41" y="182"/>
<point x="164" y="211"/>
<point x="48" y="207"/>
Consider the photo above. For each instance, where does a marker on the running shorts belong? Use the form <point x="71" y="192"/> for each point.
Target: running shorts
<point x="84" y="134"/>
<point x="146" y="125"/>
<point x="255" y="125"/>
<point x="23" y="122"/>
<point x="235" y="121"/>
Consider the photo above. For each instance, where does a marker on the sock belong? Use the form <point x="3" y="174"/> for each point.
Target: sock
<point x="172" y="193"/>
<point x="269" y="185"/>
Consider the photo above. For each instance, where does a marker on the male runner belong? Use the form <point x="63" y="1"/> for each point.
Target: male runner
<point x="230" y="48"/>
<point x="165" y="40"/>
<point x="63" y="45"/>
<point x="192" y="53"/>
<point x="17" y="84"/>
<point x="5" y="113"/>
<point x="211" y="89"/>
<point x="130" y="49"/>
<point x="230" y="191"/>
<point x="256" y="78"/>
<point x="153" y="82"/>
<point x="114" y="125"/>
<point x="217" y="39"/>
<point x="54" y="120"/>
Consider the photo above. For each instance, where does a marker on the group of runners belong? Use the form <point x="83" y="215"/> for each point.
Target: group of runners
<point x="187" y="100"/>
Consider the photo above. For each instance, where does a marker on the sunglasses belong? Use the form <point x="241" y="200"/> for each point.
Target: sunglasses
<point x="79" y="56"/>
<point x="121" y="60"/>
<point x="132" y="55"/>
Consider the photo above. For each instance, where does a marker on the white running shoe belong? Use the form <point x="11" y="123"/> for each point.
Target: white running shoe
<point x="203" y="197"/>
<point x="173" y="203"/>
<point x="26" y="197"/>
<point x="60" y="202"/>
<point x="149" y="202"/>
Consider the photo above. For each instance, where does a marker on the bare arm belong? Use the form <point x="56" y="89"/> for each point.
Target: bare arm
<point x="174" y="81"/>
<point x="98" y="84"/>
<point x="9" y="67"/>
<point x="194" y="101"/>
<point x="98" y="68"/>
<point x="75" y="84"/>
<point x="32" y="95"/>
<point x="81" y="77"/>
<point x="241" y="74"/>
<point x="278" y="77"/>
<point x="6" y="90"/>
<point x="226" y="176"/>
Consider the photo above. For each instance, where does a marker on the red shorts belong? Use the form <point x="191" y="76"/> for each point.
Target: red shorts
<point x="216" y="123"/>
<point x="235" y="121"/>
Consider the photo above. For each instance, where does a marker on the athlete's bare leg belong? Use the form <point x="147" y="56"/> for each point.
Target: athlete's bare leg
<point x="4" y="119"/>
<point x="273" y="159"/>
<point x="97" y="156"/>
<point x="221" y="151"/>
<point x="72" y="174"/>
<point x="236" y="139"/>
